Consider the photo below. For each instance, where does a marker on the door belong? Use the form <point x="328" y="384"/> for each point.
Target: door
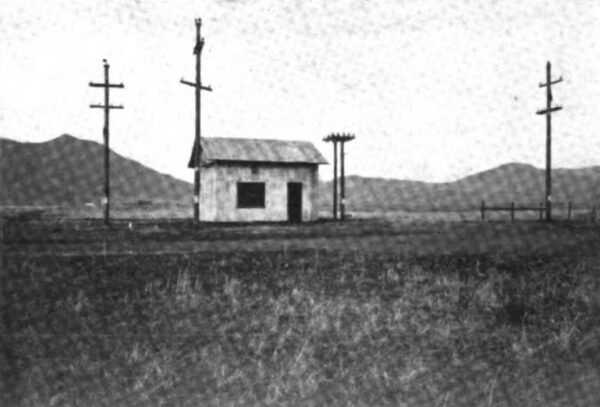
<point x="294" y="202"/>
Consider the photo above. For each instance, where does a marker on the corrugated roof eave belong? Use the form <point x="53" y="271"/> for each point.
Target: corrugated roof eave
<point x="229" y="160"/>
<point x="257" y="151"/>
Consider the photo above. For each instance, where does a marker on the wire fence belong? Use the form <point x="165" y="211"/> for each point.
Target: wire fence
<point x="560" y="211"/>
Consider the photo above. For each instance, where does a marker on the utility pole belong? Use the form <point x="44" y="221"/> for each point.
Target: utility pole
<point x="197" y="145"/>
<point x="335" y="180"/>
<point x="342" y="183"/>
<point x="339" y="138"/>
<point x="548" y="112"/>
<point x="107" y="107"/>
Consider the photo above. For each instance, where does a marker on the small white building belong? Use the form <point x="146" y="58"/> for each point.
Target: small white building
<point x="248" y="180"/>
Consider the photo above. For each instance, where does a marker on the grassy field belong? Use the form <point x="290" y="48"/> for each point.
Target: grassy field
<point x="176" y="316"/>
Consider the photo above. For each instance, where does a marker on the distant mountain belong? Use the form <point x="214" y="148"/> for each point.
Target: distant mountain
<point x="521" y="183"/>
<point x="67" y="170"/>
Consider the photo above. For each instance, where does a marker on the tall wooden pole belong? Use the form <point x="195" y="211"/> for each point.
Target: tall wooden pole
<point x="106" y="134"/>
<point x="548" y="145"/>
<point x="197" y="129"/>
<point x="342" y="184"/>
<point x="197" y="140"/>
<point x="335" y="180"/>
<point x="548" y="112"/>
<point x="106" y="146"/>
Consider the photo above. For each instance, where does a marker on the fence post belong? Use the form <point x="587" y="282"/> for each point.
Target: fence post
<point x="541" y="211"/>
<point x="512" y="211"/>
<point x="482" y="210"/>
<point x="569" y="210"/>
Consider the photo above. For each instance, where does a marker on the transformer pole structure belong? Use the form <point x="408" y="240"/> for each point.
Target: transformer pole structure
<point x="197" y="145"/>
<point x="335" y="180"/>
<point x="339" y="138"/>
<point x="548" y="112"/>
<point x="107" y="107"/>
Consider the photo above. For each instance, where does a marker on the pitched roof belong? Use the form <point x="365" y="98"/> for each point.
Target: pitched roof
<point x="257" y="150"/>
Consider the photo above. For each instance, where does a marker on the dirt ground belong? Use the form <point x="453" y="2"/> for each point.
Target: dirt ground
<point x="415" y="237"/>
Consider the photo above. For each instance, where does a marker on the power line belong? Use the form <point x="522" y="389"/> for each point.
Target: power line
<point x="107" y="107"/>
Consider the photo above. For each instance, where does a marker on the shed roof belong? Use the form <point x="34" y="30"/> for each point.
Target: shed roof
<point x="256" y="150"/>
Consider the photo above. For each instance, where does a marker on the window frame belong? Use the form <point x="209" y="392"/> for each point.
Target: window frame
<point x="251" y="202"/>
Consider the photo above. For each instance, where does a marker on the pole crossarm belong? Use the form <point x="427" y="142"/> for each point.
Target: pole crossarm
<point x="107" y="85"/>
<point x="194" y="85"/>
<point x="109" y="106"/>
<point x="560" y="79"/>
<point x="547" y="111"/>
<point x="342" y="137"/>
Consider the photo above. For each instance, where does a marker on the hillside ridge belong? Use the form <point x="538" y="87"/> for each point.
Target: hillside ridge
<point x="67" y="170"/>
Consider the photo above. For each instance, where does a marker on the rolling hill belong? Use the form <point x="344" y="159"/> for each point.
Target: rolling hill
<point x="521" y="183"/>
<point x="70" y="171"/>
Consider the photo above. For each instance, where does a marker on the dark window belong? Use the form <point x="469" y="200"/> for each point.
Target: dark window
<point x="251" y="194"/>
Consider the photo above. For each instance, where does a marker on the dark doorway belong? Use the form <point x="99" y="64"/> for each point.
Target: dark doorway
<point x="295" y="202"/>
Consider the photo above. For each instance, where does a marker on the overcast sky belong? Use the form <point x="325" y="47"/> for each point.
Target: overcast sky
<point x="434" y="90"/>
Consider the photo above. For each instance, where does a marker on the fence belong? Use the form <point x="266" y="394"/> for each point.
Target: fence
<point x="540" y="209"/>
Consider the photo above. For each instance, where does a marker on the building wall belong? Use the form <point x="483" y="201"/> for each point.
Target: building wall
<point x="218" y="196"/>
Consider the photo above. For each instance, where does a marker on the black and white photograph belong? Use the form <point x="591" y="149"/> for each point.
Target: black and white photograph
<point x="300" y="203"/>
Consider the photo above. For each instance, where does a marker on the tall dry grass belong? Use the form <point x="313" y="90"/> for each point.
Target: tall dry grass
<point x="302" y="328"/>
